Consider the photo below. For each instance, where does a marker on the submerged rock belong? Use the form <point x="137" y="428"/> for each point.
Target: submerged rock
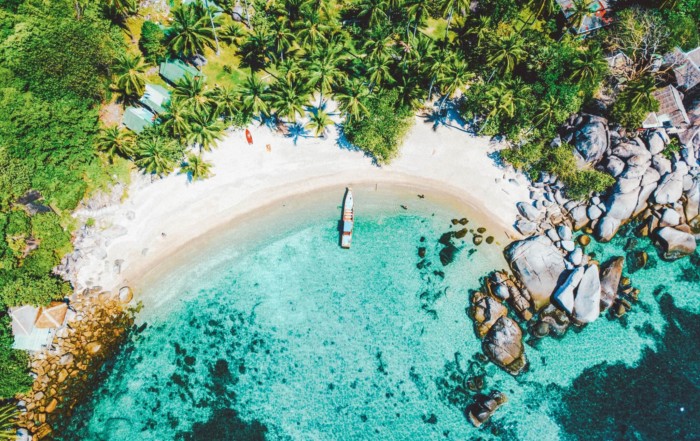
<point x="675" y="243"/>
<point x="484" y="406"/>
<point x="503" y="345"/>
<point x="556" y="320"/>
<point x="636" y="260"/>
<point x="538" y="264"/>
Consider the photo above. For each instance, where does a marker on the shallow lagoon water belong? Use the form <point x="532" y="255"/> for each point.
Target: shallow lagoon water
<point x="283" y="335"/>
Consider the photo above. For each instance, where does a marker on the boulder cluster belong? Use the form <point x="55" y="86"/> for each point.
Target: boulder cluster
<point x="554" y="283"/>
<point x="64" y="372"/>
<point x="657" y="186"/>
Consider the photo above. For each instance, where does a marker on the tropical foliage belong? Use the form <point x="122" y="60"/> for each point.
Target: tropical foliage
<point x="8" y="418"/>
<point x="57" y="62"/>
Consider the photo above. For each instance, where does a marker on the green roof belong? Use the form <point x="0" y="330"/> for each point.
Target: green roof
<point x="138" y="118"/>
<point x="155" y="97"/>
<point x="176" y="70"/>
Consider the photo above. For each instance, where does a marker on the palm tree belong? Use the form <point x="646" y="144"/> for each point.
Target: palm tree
<point x="175" y="119"/>
<point x="640" y="92"/>
<point x="312" y="31"/>
<point x="506" y="52"/>
<point x="190" y="91"/>
<point x="505" y="96"/>
<point x="190" y="32"/>
<point x="409" y="88"/>
<point x="588" y="66"/>
<point x="419" y="11"/>
<point x="499" y="100"/>
<point x="129" y="71"/>
<point x="289" y="98"/>
<point x="290" y="68"/>
<point x="254" y="94"/>
<point x="226" y="101"/>
<point x="372" y="11"/>
<point x="437" y="65"/>
<point x="379" y="71"/>
<point x="282" y="37"/>
<point x="543" y="8"/>
<point x="547" y="112"/>
<point x="456" y="77"/>
<point x="350" y="98"/>
<point x="318" y="121"/>
<point x="8" y="422"/>
<point x="256" y="49"/>
<point x="125" y="7"/>
<point x="204" y="130"/>
<point x="196" y="168"/>
<point x="579" y="10"/>
<point x="232" y="34"/>
<point x="324" y="70"/>
<point x="157" y="154"/>
<point x="118" y="10"/>
<point x="448" y="7"/>
<point x="115" y="142"/>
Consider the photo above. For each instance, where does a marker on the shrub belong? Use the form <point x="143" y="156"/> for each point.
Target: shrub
<point x="380" y="133"/>
<point x="151" y="42"/>
<point x="536" y="158"/>
<point x="14" y="364"/>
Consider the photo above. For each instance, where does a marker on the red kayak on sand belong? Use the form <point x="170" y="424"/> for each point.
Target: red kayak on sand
<point x="248" y="137"/>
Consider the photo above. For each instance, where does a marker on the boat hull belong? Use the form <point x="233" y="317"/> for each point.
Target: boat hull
<point x="348" y="220"/>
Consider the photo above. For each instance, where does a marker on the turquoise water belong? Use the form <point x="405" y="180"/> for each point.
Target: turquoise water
<point x="286" y="336"/>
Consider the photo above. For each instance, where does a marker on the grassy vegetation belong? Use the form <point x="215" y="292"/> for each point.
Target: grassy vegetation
<point x="224" y="69"/>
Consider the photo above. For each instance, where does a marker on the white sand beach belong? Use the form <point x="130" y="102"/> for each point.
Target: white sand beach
<point x="156" y="219"/>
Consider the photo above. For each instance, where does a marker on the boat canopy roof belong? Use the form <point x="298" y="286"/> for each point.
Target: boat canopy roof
<point x="347" y="226"/>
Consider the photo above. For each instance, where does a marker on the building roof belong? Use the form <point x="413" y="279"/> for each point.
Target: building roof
<point x="176" y="70"/>
<point x="52" y="316"/>
<point x="598" y="17"/>
<point x="155" y="97"/>
<point x="23" y="318"/>
<point x="27" y="336"/>
<point x="686" y="67"/>
<point x="671" y="113"/>
<point x="138" y="118"/>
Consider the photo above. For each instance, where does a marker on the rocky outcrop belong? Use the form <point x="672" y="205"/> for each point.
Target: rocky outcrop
<point x="484" y="406"/>
<point x="538" y="264"/>
<point x="485" y="310"/>
<point x="610" y="281"/>
<point x="63" y="373"/>
<point x="587" y="301"/>
<point x="502" y="286"/>
<point x="590" y="137"/>
<point x="670" y="188"/>
<point x="503" y="345"/>
<point x="564" y="295"/>
<point x="675" y="243"/>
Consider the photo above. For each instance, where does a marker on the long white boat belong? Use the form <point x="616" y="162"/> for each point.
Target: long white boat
<point x="348" y="219"/>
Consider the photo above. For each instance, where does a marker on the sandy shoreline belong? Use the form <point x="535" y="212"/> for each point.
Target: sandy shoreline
<point x="157" y="220"/>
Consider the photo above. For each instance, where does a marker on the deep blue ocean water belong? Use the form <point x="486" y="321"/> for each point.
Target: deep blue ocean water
<point x="290" y="337"/>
